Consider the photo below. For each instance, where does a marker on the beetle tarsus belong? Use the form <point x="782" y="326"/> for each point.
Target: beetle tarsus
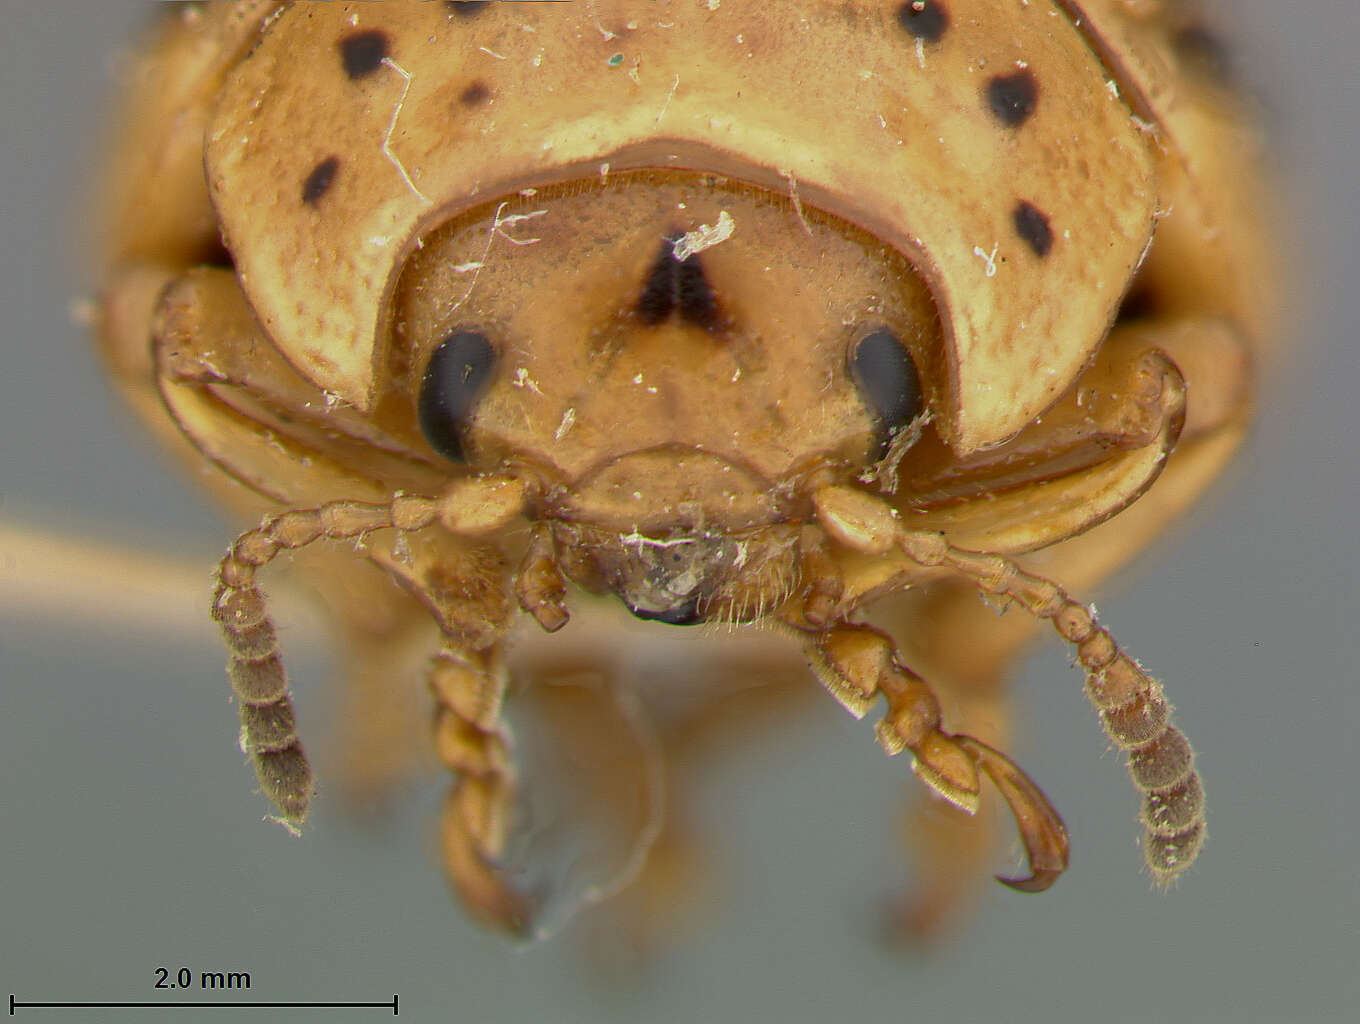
<point x="860" y="660"/>
<point x="1041" y="829"/>
<point x="470" y="737"/>
<point x="1133" y="710"/>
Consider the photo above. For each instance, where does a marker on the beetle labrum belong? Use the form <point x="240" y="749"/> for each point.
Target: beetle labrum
<point x="743" y="313"/>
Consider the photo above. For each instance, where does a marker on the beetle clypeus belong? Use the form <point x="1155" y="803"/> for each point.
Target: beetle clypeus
<point x="741" y="313"/>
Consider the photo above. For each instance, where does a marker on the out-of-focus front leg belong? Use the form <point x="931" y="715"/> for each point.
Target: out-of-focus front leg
<point x="463" y="585"/>
<point x="471" y="739"/>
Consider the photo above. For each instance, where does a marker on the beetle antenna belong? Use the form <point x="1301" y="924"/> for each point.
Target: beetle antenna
<point x="1133" y="710"/>
<point x="268" y="726"/>
<point x="1132" y="706"/>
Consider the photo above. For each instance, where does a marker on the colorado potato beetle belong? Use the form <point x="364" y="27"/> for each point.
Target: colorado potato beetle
<point x="742" y="313"/>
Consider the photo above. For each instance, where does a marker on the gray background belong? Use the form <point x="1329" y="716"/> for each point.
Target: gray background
<point x="130" y="834"/>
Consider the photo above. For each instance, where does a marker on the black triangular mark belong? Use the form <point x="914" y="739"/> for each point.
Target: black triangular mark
<point x="677" y="286"/>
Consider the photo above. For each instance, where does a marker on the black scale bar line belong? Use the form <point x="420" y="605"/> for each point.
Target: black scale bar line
<point x="15" y="1004"/>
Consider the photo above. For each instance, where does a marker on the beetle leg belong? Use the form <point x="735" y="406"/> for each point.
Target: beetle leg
<point x="750" y="692"/>
<point x="950" y="850"/>
<point x="1041" y="830"/>
<point x="469" y="687"/>
<point x="207" y="340"/>
<point x="124" y="323"/>
<point x="857" y="663"/>
<point x="470" y="506"/>
<point x="462" y="584"/>
<point x="1132" y="708"/>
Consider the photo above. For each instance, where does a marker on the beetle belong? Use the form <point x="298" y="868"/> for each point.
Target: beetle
<point x="740" y="314"/>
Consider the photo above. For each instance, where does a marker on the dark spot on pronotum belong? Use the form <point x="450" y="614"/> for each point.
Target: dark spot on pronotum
<point x="476" y="93"/>
<point x="1012" y="98"/>
<point x="362" y="53"/>
<point x="677" y="286"/>
<point x="927" y="20"/>
<point x="1031" y="224"/>
<point x="466" y="8"/>
<point x="318" y="182"/>
<point x="1201" y="47"/>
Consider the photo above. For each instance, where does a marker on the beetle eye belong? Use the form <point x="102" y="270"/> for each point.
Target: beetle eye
<point x="888" y="381"/>
<point x="453" y="379"/>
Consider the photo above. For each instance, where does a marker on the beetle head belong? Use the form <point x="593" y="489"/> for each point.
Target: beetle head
<point x="668" y="357"/>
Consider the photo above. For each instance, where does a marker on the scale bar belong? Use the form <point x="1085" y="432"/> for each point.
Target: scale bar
<point x="15" y="1004"/>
